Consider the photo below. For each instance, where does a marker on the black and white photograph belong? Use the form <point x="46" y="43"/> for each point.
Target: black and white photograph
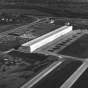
<point x="43" y="43"/>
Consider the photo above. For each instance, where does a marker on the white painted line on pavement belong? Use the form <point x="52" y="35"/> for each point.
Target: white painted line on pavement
<point x="41" y="75"/>
<point x="75" y="75"/>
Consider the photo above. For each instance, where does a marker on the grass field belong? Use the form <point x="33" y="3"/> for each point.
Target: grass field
<point x="62" y="10"/>
<point x="14" y="73"/>
<point x="25" y="11"/>
<point x="78" y="48"/>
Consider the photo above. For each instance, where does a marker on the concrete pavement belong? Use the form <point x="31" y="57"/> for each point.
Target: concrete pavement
<point x="72" y="79"/>
<point x="41" y="75"/>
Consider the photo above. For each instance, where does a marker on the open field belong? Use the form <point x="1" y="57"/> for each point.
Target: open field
<point x="60" y="10"/>
<point x="78" y="48"/>
<point x="21" y="68"/>
<point x="12" y="21"/>
<point x="43" y="28"/>
<point x="76" y="10"/>
<point x="10" y="41"/>
<point x="26" y="11"/>
<point x="4" y="28"/>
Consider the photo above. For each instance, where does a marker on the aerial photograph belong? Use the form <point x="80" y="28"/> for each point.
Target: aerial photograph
<point x="43" y="43"/>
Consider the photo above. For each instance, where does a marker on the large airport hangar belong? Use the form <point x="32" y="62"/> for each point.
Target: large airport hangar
<point x="42" y="40"/>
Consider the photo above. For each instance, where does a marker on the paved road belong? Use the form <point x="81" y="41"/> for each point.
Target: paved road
<point x="41" y="75"/>
<point x="75" y="75"/>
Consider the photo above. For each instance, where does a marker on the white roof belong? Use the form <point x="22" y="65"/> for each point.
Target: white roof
<point x="44" y="36"/>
